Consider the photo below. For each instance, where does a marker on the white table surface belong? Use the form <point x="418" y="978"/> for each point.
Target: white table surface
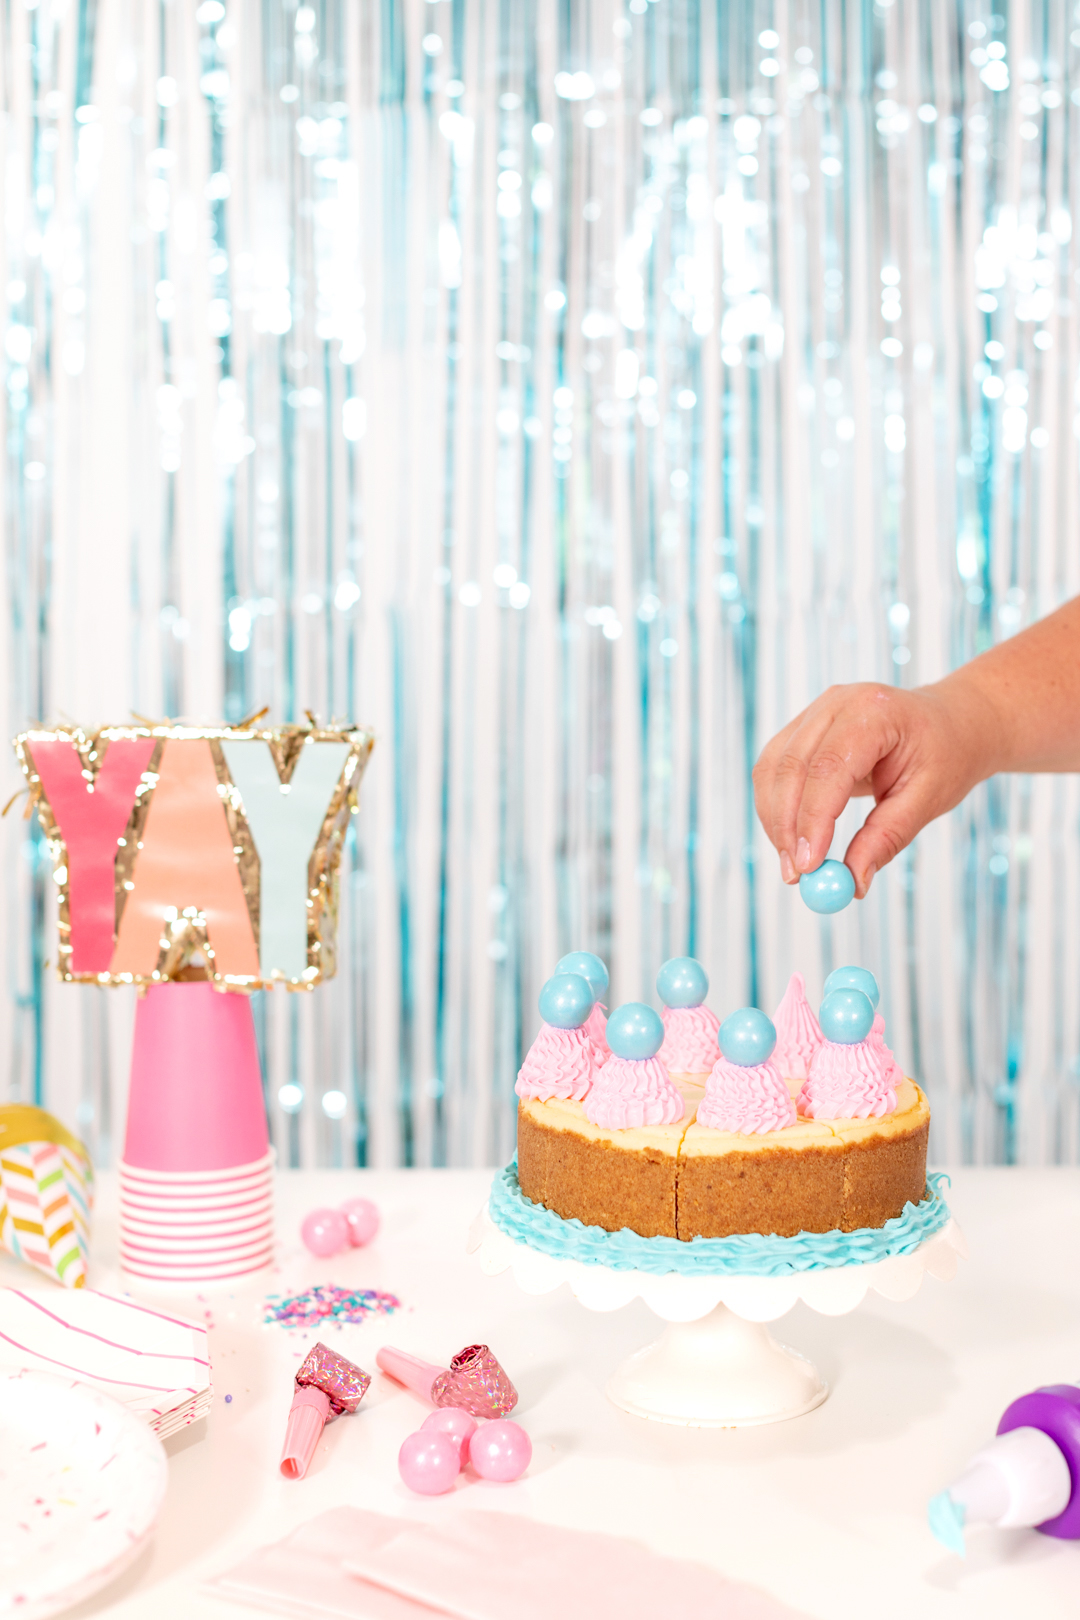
<point x="827" y="1512"/>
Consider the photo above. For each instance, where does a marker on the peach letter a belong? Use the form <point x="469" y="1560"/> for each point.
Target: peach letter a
<point x="186" y="860"/>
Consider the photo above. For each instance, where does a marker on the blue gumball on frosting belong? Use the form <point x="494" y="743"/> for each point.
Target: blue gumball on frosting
<point x="682" y="982"/>
<point x="635" y="1031"/>
<point x="634" y="1087"/>
<point x="566" y="1001"/>
<point x="846" y="1016"/>
<point x="747" y="1037"/>
<point x="589" y="967"/>
<point x="829" y="888"/>
<point x="853" y="978"/>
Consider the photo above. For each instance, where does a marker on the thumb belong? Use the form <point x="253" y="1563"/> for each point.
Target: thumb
<point x="888" y="829"/>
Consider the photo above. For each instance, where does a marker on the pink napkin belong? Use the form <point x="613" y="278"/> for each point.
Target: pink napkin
<point x="351" y="1565"/>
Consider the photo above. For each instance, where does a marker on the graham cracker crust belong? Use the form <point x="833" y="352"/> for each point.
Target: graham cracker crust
<point x="656" y="1189"/>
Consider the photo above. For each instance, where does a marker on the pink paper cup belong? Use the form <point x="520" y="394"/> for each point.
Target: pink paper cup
<point x="195" y="1276"/>
<point x="166" y="1227"/>
<point x="208" y="1243"/>
<point x="195" y="1101"/>
<point x="197" y="1178"/>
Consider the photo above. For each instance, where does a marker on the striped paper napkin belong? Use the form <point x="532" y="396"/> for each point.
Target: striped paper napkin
<point x="155" y="1364"/>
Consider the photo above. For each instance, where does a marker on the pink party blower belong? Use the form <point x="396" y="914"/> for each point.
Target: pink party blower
<point x="326" y="1386"/>
<point x="475" y="1382"/>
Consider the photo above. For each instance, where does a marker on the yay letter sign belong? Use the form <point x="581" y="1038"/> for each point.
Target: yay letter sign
<point x="180" y="849"/>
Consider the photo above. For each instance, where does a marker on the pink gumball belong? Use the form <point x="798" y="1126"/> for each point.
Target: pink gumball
<point x="325" y="1232"/>
<point x="500" y="1450"/>
<point x="363" y="1220"/>
<point x="454" y="1421"/>
<point x="429" y="1462"/>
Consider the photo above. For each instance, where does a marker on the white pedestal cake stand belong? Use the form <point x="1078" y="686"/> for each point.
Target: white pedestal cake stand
<point x="716" y="1365"/>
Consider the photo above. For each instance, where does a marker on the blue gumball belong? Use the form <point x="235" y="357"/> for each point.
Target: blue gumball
<point x="830" y="888"/>
<point x="566" y="1001"/>
<point x="682" y="982"/>
<point x="747" y="1037"/>
<point x="846" y="1016"/>
<point x="589" y="967"/>
<point x="853" y="978"/>
<point x="635" y="1031"/>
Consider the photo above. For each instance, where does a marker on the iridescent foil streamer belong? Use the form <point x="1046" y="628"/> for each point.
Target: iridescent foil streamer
<point x="340" y="1379"/>
<point x="576" y="421"/>
<point x="475" y="1382"/>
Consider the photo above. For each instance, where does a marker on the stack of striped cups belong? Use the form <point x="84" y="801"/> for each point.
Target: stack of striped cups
<point x="196" y="1181"/>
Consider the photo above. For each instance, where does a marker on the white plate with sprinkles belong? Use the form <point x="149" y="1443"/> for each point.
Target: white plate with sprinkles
<point x="81" y="1483"/>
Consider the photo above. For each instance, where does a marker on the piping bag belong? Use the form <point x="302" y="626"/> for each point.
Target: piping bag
<point x="1027" y="1477"/>
<point x="474" y="1380"/>
<point x="326" y="1386"/>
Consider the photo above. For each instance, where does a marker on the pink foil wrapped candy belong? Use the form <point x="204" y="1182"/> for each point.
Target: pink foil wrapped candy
<point x="474" y="1381"/>
<point x="326" y="1386"/>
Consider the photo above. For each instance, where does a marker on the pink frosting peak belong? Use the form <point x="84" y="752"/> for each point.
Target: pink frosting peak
<point x="850" y="1082"/>
<point x="750" y="1101"/>
<point x="876" y="1038"/>
<point x="559" y="1063"/>
<point x="633" y="1091"/>
<point x="595" y="1027"/>
<point x="798" y="1033"/>
<point x="689" y="1040"/>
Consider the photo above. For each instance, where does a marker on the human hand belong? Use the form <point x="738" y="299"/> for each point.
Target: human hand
<point x="918" y="753"/>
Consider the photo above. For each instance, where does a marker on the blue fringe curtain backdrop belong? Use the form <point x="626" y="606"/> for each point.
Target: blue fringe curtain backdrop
<point x="571" y="391"/>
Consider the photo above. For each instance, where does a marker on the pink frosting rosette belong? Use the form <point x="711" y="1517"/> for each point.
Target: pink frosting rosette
<point x="798" y="1033"/>
<point x="559" y="1063"/>
<point x="690" y="1045"/>
<point x="850" y="1081"/>
<point x="745" y="1099"/>
<point x="632" y="1092"/>
<point x="595" y="1027"/>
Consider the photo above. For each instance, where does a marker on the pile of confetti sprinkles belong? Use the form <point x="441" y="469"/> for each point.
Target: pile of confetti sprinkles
<point x="324" y="1303"/>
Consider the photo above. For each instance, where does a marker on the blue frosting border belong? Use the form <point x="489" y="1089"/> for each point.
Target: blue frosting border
<point x="749" y="1255"/>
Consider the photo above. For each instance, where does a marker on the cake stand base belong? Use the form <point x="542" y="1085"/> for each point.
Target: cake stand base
<point x="719" y="1372"/>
